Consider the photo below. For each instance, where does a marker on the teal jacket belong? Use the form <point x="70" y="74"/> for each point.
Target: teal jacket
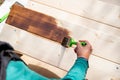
<point x="17" y="70"/>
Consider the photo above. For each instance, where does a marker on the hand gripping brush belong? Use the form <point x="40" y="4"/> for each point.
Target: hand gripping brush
<point x="68" y="42"/>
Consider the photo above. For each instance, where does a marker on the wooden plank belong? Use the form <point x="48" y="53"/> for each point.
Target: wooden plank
<point x="64" y="17"/>
<point x="48" y="51"/>
<point x="101" y="72"/>
<point x="17" y="37"/>
<point x="32" y="45"/>
<point x="116" y="2"/>
<point x="37" y="23"/>
<point x="1" y="25"/>
<point x="99" y="69"/>
<point x="97" y="36"/>
<point x="44" y="68"/>
<point x="100" y="35"/>
<point x="96" y="10"/>
<point x="102" y="69"/>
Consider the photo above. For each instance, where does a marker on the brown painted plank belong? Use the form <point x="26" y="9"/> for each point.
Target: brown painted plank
<point x="37" y="23"/>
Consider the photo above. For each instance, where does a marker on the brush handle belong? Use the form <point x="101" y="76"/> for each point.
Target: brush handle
<point x="83" y="43"/>
<point x="4" y="17"/>
<point x="72" y="42"/>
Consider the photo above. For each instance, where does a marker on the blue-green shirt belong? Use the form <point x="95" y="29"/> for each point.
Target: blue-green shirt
<point x="17" y="70"/>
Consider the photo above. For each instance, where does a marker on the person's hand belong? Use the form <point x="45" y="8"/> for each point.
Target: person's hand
<point x="83" y="51"/>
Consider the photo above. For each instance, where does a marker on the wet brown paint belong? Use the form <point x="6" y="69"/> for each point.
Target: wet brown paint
<point x="37" y="23"/>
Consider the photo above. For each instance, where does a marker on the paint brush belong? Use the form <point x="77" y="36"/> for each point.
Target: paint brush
<point x="68" y="42"/>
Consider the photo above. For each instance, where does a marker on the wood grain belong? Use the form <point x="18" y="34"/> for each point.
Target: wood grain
<point x="37" y="23"/>
<point x="98" y="34"/>
<point x="97" y="10"/>
<point x="105" y="61"/>
<point x="49" y="52"/>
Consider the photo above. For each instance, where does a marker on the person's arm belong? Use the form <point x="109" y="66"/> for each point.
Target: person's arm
<point x="79" y="69"/>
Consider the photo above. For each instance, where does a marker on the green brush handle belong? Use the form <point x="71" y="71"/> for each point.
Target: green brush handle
<point x="72" y="42"/>
<point x="83" y="43"/>
<point x="4" y="17"/>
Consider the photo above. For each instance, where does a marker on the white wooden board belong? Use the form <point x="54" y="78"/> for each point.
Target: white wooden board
<point x="105" y="39"/>
<point x="49" y="52"/>
<point x="115" y="2"/>
<point x="97" y="10"/>
<point x="17" y="36"/>
<point x="99" y="69"/>
<point x="65" y="17"/>
<point x="31" y="45"/>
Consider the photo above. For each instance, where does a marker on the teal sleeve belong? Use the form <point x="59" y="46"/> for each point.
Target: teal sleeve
<point x="78" y="71"/>
<point x="17" y="70"/>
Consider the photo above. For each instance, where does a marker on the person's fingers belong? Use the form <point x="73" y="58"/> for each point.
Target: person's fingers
<point x="88" y="44"/>
<point x="79" y="45"/>
<point x="84" y="41"/>
<point x="75" y="49"/>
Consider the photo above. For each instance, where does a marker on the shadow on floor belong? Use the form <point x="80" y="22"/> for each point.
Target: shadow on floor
<point x="43" y="71"/>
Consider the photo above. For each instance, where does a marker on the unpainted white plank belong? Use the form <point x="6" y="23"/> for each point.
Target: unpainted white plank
<point x="1" y="25"/>
<point x="109" y="50"/>
<point x="64" y="17"/>
<point x="32" y="45"/>
<point x="116" y="2"/>
<point x="105" y="39"/>
<point x="51" y="1"/>
<point x="93" y="9"/>
<point x="99" y="69"/>
<point x="109" y="71"/>
<point x="49" y="52"/>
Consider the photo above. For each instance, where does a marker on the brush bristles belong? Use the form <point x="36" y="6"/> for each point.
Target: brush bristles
<point x="65" y="42"/>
